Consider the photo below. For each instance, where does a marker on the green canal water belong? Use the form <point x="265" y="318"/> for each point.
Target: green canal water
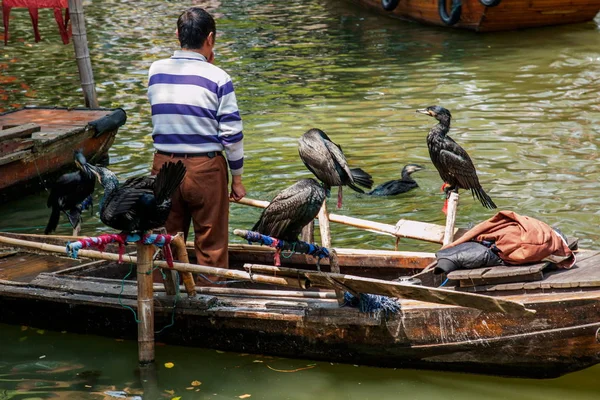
<point x="525" y="106"/>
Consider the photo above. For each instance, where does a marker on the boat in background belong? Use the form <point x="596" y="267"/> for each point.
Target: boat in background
<point x="488" y="15"/>
<point x="37" y="143"/>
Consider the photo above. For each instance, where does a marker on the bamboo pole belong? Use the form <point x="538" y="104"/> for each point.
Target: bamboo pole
<point x="82" y="53"/>
<point x="181" y="254"/>
<point x="202" y="269"/>
<point x="145" y="300"/>
<point x="404" y="228"/>
<point x="232" y="291"/>
<point x="450" y="218"/>
<point x="324" y="226"/>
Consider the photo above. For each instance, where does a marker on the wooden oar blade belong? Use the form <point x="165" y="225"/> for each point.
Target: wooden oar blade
<point x="421" y="293"/>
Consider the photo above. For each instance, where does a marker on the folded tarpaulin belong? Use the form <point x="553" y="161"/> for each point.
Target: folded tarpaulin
<point x="33" y="6"/>
<point x="521" y="240"/>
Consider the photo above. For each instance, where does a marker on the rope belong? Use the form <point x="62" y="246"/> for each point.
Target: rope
<point x="100" y="242"/>
<point x="372" y="303"/>
<point x="443" y="283"/>
<point x="135" y="317"/>
<point x="312" y="249"/>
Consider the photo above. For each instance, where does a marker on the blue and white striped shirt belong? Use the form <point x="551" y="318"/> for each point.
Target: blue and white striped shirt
<point x="194" y="108"/>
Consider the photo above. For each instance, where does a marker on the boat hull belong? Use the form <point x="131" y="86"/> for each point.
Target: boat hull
<point x="50" y="152"/>
<point x="508" y="15"/>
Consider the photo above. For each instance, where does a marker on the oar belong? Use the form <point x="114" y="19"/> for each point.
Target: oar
<point x="404" y="228"/>
<point x="307" y="279"/>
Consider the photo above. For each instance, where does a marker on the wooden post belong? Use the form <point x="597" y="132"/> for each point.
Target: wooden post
<point x="308" y="233"/>
<point x="82" y="53"/>
<point x="450" y="218"/>
<point x="145" y="298"/>
<point x="324" y="226"/>
<point x="181" y="255"/>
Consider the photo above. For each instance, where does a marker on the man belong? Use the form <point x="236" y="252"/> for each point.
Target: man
<point x="195" y="118"/>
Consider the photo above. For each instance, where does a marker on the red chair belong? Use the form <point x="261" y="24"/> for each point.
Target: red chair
<point x="33" y="6"/>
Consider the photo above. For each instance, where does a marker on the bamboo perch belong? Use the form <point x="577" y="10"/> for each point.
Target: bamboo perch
<point x="145" y="300"/>
<point x="82" y="53"/>
<point x="202" y="269"/>
<point x="297" y="247"/>
<point x="319" y="279"/>
<point x="404" y="228"/>
<point x="181" y="254"/>
<point x="450" y="218"/>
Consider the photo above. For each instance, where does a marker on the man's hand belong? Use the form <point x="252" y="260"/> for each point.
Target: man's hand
<point x="238" y="191"/>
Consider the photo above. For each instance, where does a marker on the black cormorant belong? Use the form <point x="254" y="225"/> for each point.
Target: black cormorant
<point x="139" y="204"/>
<point x="292" y="209"/>
<point x="397" y="186"/>
<point x="71" y="193"/>
<point x="452" y="161"/>
<point x="326" y="160"/>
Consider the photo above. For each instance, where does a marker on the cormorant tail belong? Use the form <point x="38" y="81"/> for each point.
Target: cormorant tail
<point x="168" y="180"/>
<point x="74" y="216"/>
<point x="53" y="221"/>
<point x="362" y="178"/>
<point x="482" y="196"/>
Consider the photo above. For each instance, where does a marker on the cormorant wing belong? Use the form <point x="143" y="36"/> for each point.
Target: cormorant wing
<point x="458" y="164"/>
<point x="341" y="165"/>
<point x="292" y="208"/>
<point x="122" y="201"/>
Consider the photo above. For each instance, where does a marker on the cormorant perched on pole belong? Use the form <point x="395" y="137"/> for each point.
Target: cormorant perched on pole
<point x="327" y="162"/>
<point x="452" y="161"/>
<point x="70" y="193"/>
<point x="140" y="204"/>
<point x="292" y="209"/>
<point x="397" y="186"/>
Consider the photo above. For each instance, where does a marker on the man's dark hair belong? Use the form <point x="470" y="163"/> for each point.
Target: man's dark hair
<point x="193" y="27"/>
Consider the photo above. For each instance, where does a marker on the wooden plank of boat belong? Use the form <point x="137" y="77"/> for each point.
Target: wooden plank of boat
<point x="358" y="284"/>
<point x="19" y="131"/>
<point x="25" y="171"/>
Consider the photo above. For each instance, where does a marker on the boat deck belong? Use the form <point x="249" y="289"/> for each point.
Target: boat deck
<point x="53" y="120"/>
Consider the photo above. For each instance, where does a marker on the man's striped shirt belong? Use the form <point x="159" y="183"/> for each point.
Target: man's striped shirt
<point x="194" y="108"/>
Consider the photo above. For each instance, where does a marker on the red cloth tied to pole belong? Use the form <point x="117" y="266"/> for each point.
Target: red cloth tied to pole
<point x="34" y="6"/>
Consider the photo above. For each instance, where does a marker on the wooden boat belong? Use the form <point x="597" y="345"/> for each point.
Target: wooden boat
<point x="51" y="291"/>
<point x="488" y="15"/>
<point x="33" y="143"/>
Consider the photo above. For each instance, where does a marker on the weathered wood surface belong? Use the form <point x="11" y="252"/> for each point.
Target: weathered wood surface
<point x="358" y="284"/>
<point x="19" y="131"/>
<point x="508" y="15"/>
<point x="23" y="267"/>
<point x="24" y="171"/>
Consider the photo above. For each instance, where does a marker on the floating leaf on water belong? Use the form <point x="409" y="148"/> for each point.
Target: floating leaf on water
<point x="171" y="392"/>
<point x="41" y="331"/>
<point x="219" y="351"/>
<point x="176" y="398"/>
<point x="169" y="365"/>
<point x="245" y="396"/>
<point x="42" y="356"/>
<point x="24" y="328"/>
<point x="88" y="386"/>
<point x="258" y="361"/>
<point x="24" y="338"/>
<point x="196" y="383"/>
<point x="190" y="388"/>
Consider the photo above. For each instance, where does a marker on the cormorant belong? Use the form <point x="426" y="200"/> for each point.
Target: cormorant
<point x="397" y="186"/>
<point x="292" y="209"/>
<point x="326" y="160"/>
<point x="452" y="161"/>
<point x="139" y="204"/>
<point x="71" y="193"/>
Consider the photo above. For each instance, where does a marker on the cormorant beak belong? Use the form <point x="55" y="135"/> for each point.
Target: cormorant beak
<point x="425" y="111"/>
<point x="89" y="168"/>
